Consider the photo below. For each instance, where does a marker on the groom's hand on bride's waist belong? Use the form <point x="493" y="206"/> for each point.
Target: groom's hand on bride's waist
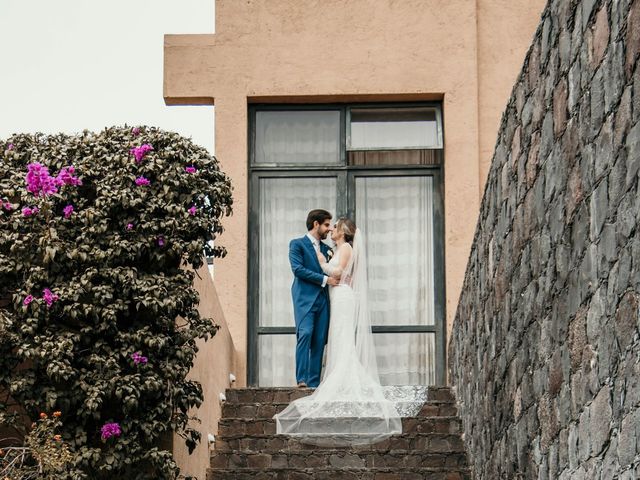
<point x="332" y="281"/>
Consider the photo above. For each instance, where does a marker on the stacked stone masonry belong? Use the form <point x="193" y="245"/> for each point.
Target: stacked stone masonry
<point x="247" y="447"/>
<point x="545" y="349"/>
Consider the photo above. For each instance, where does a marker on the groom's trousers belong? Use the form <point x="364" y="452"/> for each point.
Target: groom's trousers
<point x="311" y="336"/>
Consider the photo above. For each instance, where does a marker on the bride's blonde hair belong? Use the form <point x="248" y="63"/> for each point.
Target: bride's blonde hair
<point x="348" y="227"/>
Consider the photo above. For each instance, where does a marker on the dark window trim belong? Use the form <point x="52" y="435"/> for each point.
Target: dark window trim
<point x="439" y="122"/>
<point x="344" y="174"/>
<point x="374" y="329"/>
<point x="344" y="109"/>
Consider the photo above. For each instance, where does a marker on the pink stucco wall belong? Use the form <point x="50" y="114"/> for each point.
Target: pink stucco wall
<point x="465" y="53"/>
<point x="215" y="360"/>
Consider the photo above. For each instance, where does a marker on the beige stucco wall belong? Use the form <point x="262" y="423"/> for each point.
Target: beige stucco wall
<point x="212" y="366"/>
<point x="505" y="31"/>
<point x="334" y="50"/>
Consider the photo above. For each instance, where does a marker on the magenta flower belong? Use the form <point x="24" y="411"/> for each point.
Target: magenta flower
<point x="135" y="131"/>
<point x="192" y="210"/>
<point x="138" y="358"/>
<point x="129" y="226"/>
<point x="142" y="181"/>
<point x="10" y="147"/>
<point x="65" y="176"/>
<point x="109" y="430"/>
<point x="29" y="211"/>
<point x="7" y="206"/>
<point x="190" y="169"/>
<point x="28" y="299"/>
<point x="161" y="241"/>
<point x="141" y="151"/>
<point x="68" y="210"/>
<point x="49" y="297"/>
<point x="39" y="182"/>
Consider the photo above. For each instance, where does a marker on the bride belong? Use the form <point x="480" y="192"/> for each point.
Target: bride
<point x="349" y="406"/>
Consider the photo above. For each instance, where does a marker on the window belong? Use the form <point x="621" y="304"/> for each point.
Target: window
<point x="394" y="128"/>
<point x="380" y="165"/>
<point x="298" y="137"/>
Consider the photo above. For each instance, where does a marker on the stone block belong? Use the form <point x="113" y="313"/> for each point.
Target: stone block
<point x="574" y="88"/>
<point x="600" y="421"/>
<point x="622" y="116"/>
<point x="597" y="102"/>
<point x="626" y="320"/>
<point x="587" y="9"/>
<point x="575" y="191"/>
<point x="600" y="38"/>
<point x="547" y="136"/>
<point x="560" y="115"/>
<point x="628" y="438"/>
<point x="632" y="39"/>
<point x="577" y="338"/>
<point x="599" y="207"/>
<point x="614" y="81"/>
<point x="632" y="145"/>
<point x="584" y="432"/>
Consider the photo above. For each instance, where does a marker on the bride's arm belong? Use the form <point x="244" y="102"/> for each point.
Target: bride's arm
<point x="345" y="256"/>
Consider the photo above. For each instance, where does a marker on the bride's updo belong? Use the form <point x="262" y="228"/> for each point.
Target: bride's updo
<point x="347" y="227"/>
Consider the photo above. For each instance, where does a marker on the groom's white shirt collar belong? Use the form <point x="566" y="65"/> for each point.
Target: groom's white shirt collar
<point x="313" y="239"/>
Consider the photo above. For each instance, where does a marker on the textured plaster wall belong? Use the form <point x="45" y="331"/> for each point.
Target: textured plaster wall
<point x="215" y="360"/>
<point x="331" y="50"/>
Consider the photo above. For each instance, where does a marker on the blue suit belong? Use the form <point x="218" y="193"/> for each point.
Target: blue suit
<point x="310" y="309"/>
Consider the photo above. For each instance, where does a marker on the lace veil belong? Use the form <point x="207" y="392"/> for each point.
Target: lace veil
<point x="349" y="406"/>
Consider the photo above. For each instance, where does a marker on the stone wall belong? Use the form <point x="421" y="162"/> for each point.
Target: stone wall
<point x="545" y="350"/>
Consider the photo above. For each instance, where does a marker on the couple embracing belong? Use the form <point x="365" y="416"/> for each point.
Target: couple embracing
<point x="348" y="405"/>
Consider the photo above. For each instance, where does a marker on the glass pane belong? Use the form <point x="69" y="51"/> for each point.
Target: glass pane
<point x="406" y="358"/>
<point x="277" y="360"/>
<point x="396" y="217"/>
<point x="284" y="205"/>
<point x="403" y="359"/>
<point x="380" y="128"/>
<point x="298" y="137"/>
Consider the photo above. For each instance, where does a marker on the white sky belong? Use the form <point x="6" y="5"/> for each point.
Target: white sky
<point x="67" y="65"/>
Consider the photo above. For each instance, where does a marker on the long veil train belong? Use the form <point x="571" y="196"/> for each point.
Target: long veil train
<point x="349" y="406"/>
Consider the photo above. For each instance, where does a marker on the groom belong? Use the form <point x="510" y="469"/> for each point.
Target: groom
<point x="310" y="297"/>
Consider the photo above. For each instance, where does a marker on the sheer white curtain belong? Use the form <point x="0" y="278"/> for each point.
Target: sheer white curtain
<point x="396" y="214"/>
<point x="394" y="128"/>
<point x="298" y="137"/>
<point x="284" y="205"/>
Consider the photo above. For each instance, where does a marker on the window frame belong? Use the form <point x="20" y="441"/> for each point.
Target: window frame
<point x="435" y="107"/>
<point x="345" y="175"/>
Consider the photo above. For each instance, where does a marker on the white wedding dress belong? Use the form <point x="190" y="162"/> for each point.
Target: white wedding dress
<point x="349" y="406"/>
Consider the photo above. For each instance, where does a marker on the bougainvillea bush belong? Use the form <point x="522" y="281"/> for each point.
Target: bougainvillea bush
<point x="100" y="236"/>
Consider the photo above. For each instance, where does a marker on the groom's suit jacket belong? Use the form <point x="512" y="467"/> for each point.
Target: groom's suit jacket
<point x="307" y="275"/>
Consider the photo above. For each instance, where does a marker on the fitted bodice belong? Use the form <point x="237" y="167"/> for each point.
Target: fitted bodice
<point x="335" y="260"/>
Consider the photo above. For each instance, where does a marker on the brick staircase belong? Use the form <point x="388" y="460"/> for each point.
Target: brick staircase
<point x="247" y="447"/>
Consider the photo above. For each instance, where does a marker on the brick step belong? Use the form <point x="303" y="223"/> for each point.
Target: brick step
<point x="287" y="394"/>
<point x="338" y="459"/>
<point x="432" y="408"/>
<point x="341" y="474"/>
<point x="422" y="442"/>
<point x="234" y="427"/>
